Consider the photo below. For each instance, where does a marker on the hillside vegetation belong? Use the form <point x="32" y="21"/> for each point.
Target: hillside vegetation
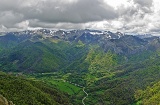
<point x="27" y="92"/>
<point x="149" y="96"/>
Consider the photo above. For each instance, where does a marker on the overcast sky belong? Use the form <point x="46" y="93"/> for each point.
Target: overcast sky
<point x="138" y="16"/>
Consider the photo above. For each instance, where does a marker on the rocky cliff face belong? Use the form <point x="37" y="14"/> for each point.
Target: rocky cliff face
<point x="4" y="101"/>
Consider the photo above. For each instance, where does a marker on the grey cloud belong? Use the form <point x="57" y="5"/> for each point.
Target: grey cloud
<point x="155" y="30"/>
<point x="7" y="5"/>
<point x="9" y="18"/>
<point x="74" y="14"/>
<point x="36" y="23"/>
<point x="54" y="11"/>
<point x="79" y="12"/>
<point x="146" y="3"/>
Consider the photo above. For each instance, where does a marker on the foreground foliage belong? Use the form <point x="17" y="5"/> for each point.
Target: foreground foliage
<point x="26" y="92"/>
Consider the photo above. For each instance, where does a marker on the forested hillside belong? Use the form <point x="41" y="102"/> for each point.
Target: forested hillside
<point x="22" y="91"/>
<point x="149" y="96"/>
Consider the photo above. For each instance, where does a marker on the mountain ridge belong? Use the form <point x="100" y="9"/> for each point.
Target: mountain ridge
<point x="55" y="47"/>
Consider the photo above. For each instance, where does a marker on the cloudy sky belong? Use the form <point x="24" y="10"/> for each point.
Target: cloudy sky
<point x="137" y="16"/>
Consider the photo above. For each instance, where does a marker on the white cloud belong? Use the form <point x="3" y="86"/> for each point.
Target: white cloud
<point x="156" y="6"/>
<point x="3" y="28"/>
<point x="23" y="25"/>
<point x="117" y="24"/>
<point x="116" y="3"/>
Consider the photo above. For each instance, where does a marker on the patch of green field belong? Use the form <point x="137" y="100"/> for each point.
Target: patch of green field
<point x="58" y="81"/>
<point x="65" y="86"/>
<point x="100" y="92"/>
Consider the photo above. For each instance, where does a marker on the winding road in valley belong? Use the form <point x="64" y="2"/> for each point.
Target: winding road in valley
<point x="81" y="87"/>
<point x="85" y="96"/>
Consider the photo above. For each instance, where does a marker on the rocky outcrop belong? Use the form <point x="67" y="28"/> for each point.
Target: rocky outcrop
<point x="4" y="101"/>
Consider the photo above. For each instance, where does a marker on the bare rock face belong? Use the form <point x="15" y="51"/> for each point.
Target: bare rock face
<point x="4" y="101"/>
